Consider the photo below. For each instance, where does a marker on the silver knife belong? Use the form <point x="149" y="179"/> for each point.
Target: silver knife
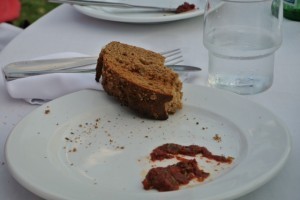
<point x="45" y="65"/>
<point x="23" y="69"/>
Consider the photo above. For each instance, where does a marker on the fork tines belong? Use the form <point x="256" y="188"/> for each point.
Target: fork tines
<point x="173" y="56"/>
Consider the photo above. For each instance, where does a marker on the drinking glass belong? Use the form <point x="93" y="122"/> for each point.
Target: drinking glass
<point x="241" y="37"/>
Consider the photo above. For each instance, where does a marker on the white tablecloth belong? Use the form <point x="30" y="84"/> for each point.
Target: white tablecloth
<point x="66" y="30"/>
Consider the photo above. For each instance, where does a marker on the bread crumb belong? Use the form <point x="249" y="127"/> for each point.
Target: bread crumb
<point x="217" y="138"/>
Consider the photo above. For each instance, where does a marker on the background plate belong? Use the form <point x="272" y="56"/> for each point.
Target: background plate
<point x="86" y="146"/>
<point x="142" y="16"/>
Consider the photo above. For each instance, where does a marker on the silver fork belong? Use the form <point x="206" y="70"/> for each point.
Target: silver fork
<point x="23" y="69"/>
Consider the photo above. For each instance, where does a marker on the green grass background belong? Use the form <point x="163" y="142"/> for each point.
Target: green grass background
<point x="32" y="10"/>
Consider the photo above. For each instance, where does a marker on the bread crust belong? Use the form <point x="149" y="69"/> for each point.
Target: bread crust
<point x="138" y="79"/>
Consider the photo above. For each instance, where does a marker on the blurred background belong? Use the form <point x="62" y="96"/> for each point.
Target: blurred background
<point x="32" y="10"/>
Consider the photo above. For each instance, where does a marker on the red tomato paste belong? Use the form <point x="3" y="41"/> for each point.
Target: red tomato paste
<point x="171" y="150"/>
<point x="185" y="7"/>
<point x="171" y="177"/>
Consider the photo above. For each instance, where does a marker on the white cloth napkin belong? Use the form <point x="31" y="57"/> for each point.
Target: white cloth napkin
<point x="42" y="88"/>
<point x="7" y="33"/>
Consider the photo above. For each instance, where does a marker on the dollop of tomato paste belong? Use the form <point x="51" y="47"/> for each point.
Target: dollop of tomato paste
<point x="171" y="177"/>
<point x="170" y="150"/>
<point x="185" y="7"/>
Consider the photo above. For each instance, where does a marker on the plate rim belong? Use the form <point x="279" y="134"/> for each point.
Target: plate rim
<point x="230" y="194"/>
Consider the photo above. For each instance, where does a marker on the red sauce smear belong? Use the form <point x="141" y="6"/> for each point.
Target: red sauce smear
<point x="185" y="7"/>
<point x="170" y="150"/>
<point x="171" y="177"/>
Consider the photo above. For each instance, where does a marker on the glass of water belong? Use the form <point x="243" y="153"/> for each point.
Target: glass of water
<point x="241" y="37"/>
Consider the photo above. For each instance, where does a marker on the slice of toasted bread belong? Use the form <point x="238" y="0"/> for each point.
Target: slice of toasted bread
<point x="139" y="79"/>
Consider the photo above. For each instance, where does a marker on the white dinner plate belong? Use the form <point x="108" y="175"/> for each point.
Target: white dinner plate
<point x="86" y="146"/>
<point x="132" y="15"/>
